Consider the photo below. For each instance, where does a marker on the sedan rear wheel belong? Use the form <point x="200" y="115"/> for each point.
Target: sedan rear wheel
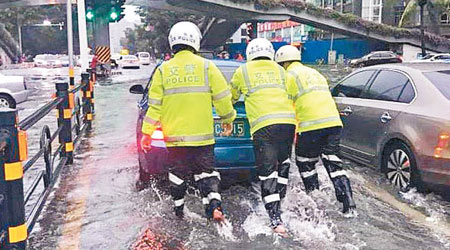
<point x="400" y="167"/>
<point x="6" y="101"/>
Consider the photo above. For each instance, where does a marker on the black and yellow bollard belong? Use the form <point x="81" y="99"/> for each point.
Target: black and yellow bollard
<point x="65" y="120"/>
<point x="13" y="150"/>
<point x="92" y="82"/>
<point x="86" y="100"/>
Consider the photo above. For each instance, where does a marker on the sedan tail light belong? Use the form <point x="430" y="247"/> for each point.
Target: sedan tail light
<point x="158" y="139"/>
<point x="443" y="143"/>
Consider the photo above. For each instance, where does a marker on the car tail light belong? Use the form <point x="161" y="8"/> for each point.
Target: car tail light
<point x="158" y="139"/>
<point x="158" y="135"/>
<point x="400" y="57"/>
<point x="443" y="143"/>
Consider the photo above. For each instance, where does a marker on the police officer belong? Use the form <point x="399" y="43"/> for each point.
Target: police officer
<point x="319" y="126"/>
<point x="272" y="121"/>
<point x="181" y="96"/>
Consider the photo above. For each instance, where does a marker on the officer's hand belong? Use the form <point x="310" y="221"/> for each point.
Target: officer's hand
<point x="227" y="129"/>
<point x="146" y="141"/>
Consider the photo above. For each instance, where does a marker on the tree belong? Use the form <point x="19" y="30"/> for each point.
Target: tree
<point x="152" y="34"/>
<point x="435" y="9"/>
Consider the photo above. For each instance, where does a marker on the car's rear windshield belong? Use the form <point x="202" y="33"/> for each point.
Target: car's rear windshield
<point x="144" y="55"/>
<point x="440" y="80"/>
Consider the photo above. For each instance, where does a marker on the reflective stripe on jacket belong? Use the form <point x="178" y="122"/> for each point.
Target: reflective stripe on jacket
<point x="314" y="105"/>
<point x="263" y="83"/>
<point x="181" y="96"/>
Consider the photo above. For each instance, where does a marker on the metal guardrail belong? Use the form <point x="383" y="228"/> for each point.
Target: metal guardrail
<point x="74" y="119"/>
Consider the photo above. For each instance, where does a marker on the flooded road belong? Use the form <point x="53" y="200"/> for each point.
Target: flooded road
<point x="96" y="205"/>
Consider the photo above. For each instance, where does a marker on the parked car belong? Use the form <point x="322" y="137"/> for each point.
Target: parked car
<point x="13" y="91"/>
<point x="377" y="57"/>
<point x="397" y="118"/>
<point x="144" y="58"/>
<point x="435" y="58"/>
<point x="234" y="154"/>
<point x="115" y="60"/>
<point x="47" y="61"/>
<point x="129" y="61"/>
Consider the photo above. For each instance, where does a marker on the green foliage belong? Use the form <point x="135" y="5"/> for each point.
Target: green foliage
<point x="152" y="34"/>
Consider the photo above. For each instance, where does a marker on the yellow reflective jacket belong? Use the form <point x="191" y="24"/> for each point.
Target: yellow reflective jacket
<point x="181" y="96"/>
<point x="263" y="83"/>
<point x="314" y="105"/>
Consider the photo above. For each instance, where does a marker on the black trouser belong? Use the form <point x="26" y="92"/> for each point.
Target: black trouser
<point x="273" y="145"/>
<point x="194" y="163"/>
<point x="323" y="143"/>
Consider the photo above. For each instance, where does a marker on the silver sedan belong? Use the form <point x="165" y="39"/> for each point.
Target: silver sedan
<point x="13" y="90"/>
<point x="397" y="117"/>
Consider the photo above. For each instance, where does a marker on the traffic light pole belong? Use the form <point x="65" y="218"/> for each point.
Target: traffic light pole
<point x="70" y="42"/>
<point x="101" y="32"/>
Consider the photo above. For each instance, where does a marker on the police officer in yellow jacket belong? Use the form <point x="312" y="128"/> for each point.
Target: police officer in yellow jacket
<point x="181" y="96"/>
<point x="319" y="125"/>
<point x="272" y="120"/>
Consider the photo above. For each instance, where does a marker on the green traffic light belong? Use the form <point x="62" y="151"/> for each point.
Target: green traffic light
<point x="114" y="16"/>
<point x="90" y="15"/>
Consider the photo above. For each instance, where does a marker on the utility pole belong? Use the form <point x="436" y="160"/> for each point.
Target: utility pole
<point x="70" y="42"/>
<point x="422" y="4"/>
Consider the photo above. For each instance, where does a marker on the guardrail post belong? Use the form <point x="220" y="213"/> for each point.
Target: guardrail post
<point x="65" y="120"/>
<point x="11" y="174"/>
<point x="87" y="104"/>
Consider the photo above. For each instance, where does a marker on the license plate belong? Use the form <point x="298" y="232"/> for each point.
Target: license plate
<point x="238" y="129"/>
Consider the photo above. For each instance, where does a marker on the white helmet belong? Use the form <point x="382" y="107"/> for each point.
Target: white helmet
<point x="287" y="53"/>
<point x="260" y="47"/>
<point x="186" y="33"/>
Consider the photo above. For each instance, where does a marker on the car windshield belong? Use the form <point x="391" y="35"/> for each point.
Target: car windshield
<point x="130" y="58"/>
<point x="144" y="55"/>
<point x="440" y="81"/>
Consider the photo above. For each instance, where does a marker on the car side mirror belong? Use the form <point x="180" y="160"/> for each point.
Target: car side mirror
<point x="137" y="89"/>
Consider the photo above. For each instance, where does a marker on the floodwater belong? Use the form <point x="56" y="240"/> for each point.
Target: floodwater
<point x="96" y="205"/>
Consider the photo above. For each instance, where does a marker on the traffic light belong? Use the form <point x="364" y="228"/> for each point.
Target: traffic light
<point x="117" y="9"/>
<point x="90" y="15"/>
<point x="113" y="15"/>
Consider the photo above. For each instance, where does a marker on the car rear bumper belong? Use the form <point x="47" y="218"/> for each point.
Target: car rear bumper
<point x="131" y="66"/>
<point x="21" y="96"/>
<point x="434" y="171"/>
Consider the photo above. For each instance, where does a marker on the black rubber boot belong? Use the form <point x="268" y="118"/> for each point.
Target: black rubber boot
<point x="179" y="212"/>
<point x="283" y="175"/>
<point x="344" y="193"/>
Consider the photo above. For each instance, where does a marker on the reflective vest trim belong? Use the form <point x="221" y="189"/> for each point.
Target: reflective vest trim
<point x="301" y="90"/>
<point x="273" y="116"/>
<point x="252" y="90"/>
<point x="192" y="138"/>
<point x="265" y="86"/>
<point x="151" y="121"/>
<point x="183" y="90"/>
<point x="227" y="116"/>
<point x="191" y="89"/>
<point x="315" y="88"/>
<point x="319" y="121"/>
<point x="221" y="95"/>
<point x="154" y="101"/>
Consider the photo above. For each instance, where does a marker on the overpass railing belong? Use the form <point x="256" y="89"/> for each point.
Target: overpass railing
<point x="74" y="118"/>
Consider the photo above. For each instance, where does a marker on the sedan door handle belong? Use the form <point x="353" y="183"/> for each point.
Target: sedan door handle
<point x="347" y="111"/>
<point x="385" y="117"/>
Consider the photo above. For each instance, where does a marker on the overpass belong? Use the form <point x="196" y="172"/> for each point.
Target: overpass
<point x="230" y="13"/>
<point x="225" y="16"/>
